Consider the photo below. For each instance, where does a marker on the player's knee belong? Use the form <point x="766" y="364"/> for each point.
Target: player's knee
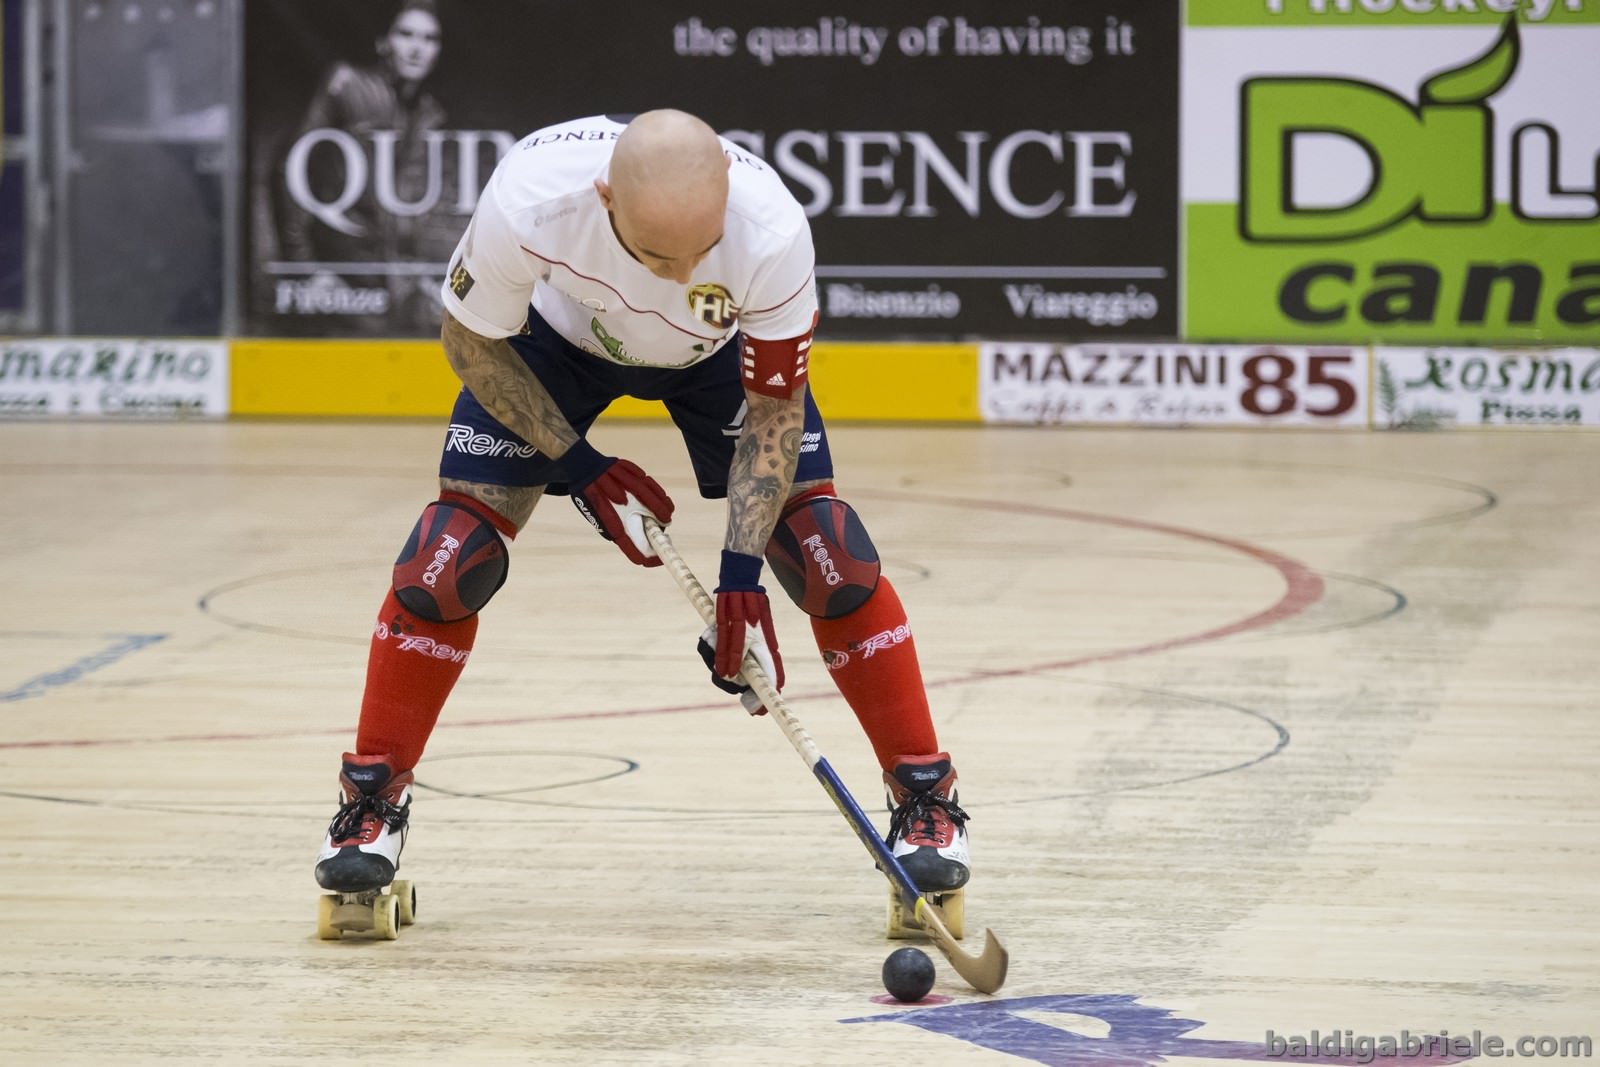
<point x="823" y="558"/>
<point x="452" y="563"/>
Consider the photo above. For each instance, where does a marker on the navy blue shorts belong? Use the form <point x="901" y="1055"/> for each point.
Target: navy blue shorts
<point x="706" y="401"/>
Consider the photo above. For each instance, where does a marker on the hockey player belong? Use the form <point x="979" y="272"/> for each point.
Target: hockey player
<point x="645" y="258"/>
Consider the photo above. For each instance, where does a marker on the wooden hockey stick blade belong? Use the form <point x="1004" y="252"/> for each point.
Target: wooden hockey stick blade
<point x="986" y="971"/>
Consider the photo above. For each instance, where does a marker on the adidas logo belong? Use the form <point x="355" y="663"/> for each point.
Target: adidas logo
<point x="777" y="379"/>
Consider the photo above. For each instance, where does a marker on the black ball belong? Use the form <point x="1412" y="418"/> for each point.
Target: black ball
<point x="908" y="974"/>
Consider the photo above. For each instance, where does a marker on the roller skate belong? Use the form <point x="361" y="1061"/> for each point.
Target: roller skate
<point x="362" y="852"/>
<point x="928" y="835"/>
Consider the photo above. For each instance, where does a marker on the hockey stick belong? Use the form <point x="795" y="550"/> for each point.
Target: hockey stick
<point x="985" y="972"/>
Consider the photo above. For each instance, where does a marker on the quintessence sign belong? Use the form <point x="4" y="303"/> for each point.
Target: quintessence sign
<point x="1005" y="170"/>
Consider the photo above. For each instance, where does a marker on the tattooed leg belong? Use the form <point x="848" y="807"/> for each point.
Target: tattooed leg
<point x="515" y="502"/>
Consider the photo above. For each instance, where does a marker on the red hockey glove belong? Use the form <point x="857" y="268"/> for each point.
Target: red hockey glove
<point x="615" y="496"/>
<point x="744" y="622"/>
<point x="707" y="647"/>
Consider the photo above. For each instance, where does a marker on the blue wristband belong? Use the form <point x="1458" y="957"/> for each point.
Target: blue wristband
<point x="739" y="573"/>
<point x="582" y="463"/>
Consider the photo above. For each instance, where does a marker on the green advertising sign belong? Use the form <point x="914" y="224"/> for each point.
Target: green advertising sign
<point x="1384" y="12"/>
<point x="1464" y="205"/>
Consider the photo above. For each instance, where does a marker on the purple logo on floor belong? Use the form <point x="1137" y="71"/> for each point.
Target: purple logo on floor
<point x="1130" y="1034"/>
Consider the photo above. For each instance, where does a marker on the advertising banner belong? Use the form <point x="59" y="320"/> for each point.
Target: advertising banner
<point x="121" y="378"/>
<point x="13" y="176"/>
<point x="1473" y="388"/>
<point x="1421" y="172"/>
<point x="1004" y="170"/>
<point x="1173" y="385"/>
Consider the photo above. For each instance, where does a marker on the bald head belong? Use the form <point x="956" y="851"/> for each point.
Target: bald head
<point x="669" y="160"/>
<point x="667" y="191"/>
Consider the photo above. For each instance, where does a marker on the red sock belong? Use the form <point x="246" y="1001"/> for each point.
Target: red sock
<point x="412" y="667"/>
<point x="873" y="661"/>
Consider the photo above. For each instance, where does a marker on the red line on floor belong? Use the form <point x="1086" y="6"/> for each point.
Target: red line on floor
<point x="1302" y="588"/>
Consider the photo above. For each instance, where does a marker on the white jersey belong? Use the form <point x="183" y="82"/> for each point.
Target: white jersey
<point x="540" y="235"/>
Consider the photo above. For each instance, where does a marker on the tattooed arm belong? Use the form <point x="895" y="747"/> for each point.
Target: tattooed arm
<point x="763" y="469"/>
<point x="494" y="374"/>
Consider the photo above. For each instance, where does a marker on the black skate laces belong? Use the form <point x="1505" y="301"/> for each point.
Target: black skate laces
<point x="352" y="816"/>
<point x="915" y="814"/>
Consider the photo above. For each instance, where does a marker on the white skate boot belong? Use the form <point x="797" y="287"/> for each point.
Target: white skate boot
<point x="928" y="835"/>
<point x="361" y="852"/>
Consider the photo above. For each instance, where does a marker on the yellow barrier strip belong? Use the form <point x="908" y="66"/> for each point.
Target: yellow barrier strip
<point x="341" y="378"/>
<point x="902" y="382"/>
<point x="330" y="379"/>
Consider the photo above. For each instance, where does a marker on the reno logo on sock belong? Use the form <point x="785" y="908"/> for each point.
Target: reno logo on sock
<point x="427" y="646"/>
<point x="880" y="641"/>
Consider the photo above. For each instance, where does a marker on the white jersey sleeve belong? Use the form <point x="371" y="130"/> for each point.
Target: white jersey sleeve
<point x="491" y="277"/>
<point x="782" y="302"/>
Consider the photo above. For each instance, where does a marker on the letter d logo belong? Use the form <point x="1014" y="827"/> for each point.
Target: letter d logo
<point x="1433" y="161"/>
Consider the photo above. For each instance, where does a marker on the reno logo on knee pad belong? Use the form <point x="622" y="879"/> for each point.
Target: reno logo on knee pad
<point x="819" y="556"/>
<point x="441" y="559"/>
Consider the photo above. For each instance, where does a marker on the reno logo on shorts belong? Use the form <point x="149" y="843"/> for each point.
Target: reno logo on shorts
<point x="835" y="660"/>
<point x="463" y="438"/>
<point x="713" y="305"/>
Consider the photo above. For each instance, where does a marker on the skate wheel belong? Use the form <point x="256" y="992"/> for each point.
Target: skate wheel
<point x="406" y="894"/>
<point x="386" y="916"/>
<point x="325" y="928"/>
<point x="903" y="925"/>
<point x="953" y="909"/>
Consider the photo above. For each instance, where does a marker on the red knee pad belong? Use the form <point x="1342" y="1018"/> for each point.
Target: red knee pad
<point x="452" y="563"/>
<point x="823" y="558"/>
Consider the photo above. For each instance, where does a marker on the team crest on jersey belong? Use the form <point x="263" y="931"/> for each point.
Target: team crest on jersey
<point x="713" y="305"/>
<point x="460" y="281"/>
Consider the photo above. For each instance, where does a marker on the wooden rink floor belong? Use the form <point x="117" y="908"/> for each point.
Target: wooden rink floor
<point x="1259" y="731"/>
